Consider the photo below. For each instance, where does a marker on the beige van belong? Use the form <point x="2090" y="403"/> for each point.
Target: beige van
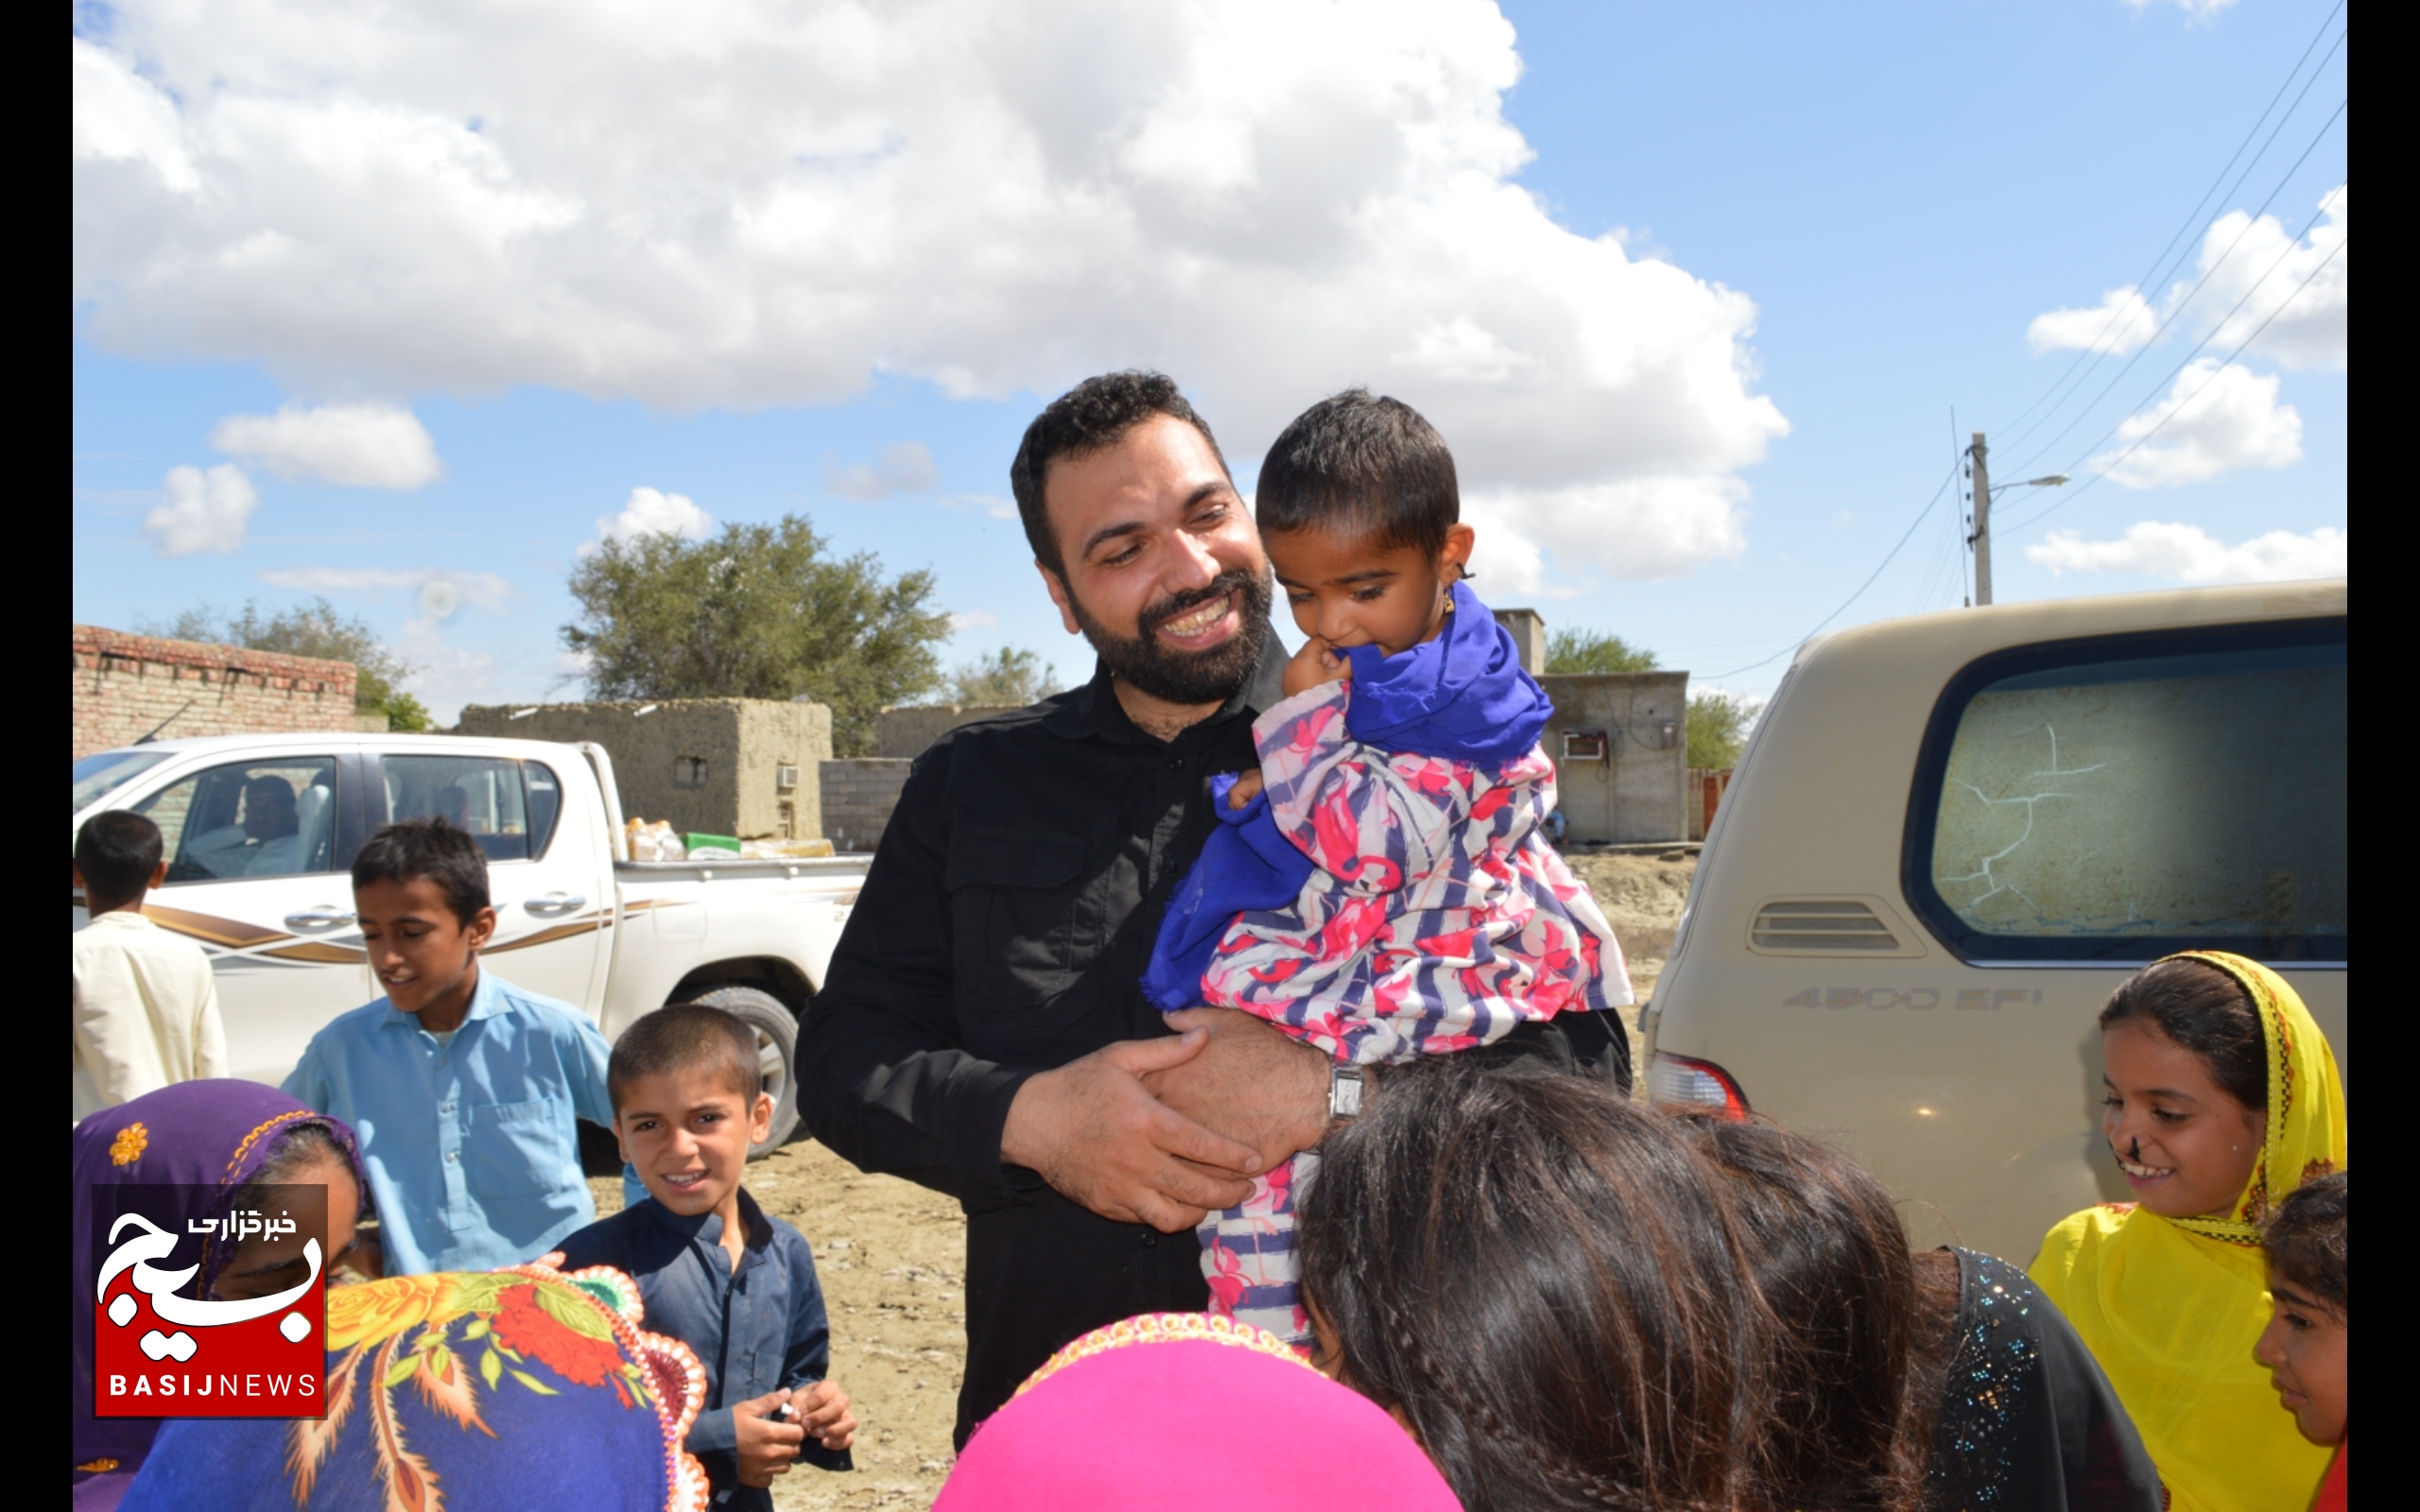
<point x="1952" y="836"/>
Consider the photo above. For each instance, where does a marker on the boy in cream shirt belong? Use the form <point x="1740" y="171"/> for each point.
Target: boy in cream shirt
<point x="146" y="1007"/>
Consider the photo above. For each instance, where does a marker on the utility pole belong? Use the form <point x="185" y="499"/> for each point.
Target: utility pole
<point x="1982" y="538"/>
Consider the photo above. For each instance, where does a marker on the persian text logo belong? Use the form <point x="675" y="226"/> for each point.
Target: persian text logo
<point x="183" y="1323"/>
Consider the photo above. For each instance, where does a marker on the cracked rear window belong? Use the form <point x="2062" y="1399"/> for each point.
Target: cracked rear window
<point x="2080" y="801"/>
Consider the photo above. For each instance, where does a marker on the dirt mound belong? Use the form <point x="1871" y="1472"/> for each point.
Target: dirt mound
<point x="1641" y="896"/>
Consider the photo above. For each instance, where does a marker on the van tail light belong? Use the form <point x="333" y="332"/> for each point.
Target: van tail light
<point x="1678" y="1081"/>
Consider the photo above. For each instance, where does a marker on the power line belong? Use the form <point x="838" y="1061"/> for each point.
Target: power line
<point x="2179" y="406"/>
<point x="1861" y="587"/>
<point x="2207" y="274"/>
<point x="2153" y="274"/>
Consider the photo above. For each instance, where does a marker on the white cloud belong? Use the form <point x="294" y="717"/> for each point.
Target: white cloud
<point x="444" y="675"/>
<point x="201" y="512"/>
<point x="2195" y="11"/>
<point x="2122" y="322"/>
<point x="652" y="512"/>
<point x="2188" y="554"/>
<point x="366" y="446"/>
<point x="2314" y="330"/>
<point x="907" y="468"/>
<point x="1270" y="201"/>
<point x="2239" y="255"/>
<point x="2214" y="419"/>
<point x="973" y="619"/>
<point x="1650" y="529"/>
<point x="436" y="590"/>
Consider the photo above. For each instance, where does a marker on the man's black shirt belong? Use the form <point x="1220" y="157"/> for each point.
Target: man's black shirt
<point x="1003" y="930"/>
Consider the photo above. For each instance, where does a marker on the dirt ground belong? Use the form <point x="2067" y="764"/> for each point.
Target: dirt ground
<point x="891" y="1254"/>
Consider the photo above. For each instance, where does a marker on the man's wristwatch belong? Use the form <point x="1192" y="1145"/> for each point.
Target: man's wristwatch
<point x="1345" y="1084"/>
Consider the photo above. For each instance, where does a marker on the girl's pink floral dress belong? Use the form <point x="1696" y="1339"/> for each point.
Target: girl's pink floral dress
<point x="1438" y="919"/>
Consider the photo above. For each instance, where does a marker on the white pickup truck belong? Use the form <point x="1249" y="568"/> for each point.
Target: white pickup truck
<point x="260" y="832"/>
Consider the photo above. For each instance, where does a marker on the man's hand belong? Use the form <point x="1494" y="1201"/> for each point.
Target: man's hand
<point x="1092" y="1130"/>
<point x="765" y="1443"/>
<point x="1312" y="665"/>
<point x="1251" y="1081"/>
<point x="821" y="1411"/>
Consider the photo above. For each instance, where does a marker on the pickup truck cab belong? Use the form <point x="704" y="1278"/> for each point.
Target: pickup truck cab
<point x="1952" y="836"/>
<point x="260" y="833"/>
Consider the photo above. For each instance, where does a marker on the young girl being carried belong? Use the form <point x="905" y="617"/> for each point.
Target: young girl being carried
<point x="1381" y="888"/>
<point x="2222" y="1098"/>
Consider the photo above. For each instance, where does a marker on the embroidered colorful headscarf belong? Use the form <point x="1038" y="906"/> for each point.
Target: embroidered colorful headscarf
<point x="214" y="1135"/>
<point x="1117" y="1417"/>
<point x="458" y="1392"/>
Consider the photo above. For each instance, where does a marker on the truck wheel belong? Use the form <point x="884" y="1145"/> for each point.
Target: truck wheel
<point x="776" y="1052"/>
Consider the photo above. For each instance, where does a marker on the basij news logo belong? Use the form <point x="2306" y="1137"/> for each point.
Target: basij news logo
<point x="204" y="1312"/>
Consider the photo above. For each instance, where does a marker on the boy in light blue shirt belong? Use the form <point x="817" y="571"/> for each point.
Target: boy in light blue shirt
<point x="463" y="1088"/>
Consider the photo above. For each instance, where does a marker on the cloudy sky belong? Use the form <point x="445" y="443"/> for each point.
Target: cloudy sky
<point x="413" y="307"/>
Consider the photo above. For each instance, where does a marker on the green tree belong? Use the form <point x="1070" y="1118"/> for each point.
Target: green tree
<point x="1718" y="725"/>
<point x="311" y="630"/>
<point x="1581" y="650"/>
<point x="758" y="612"/>
<point x="1014" y="677"/>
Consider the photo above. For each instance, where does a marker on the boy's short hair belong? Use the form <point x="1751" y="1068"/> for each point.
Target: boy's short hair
<point x="1362" y="463"/>
<point x="116" y="851"/>
<point x="2306" y="1240"/>
<point x="1091" y="416"/>
<point x="683" y="1036"/>
<point x="411" y="849"/>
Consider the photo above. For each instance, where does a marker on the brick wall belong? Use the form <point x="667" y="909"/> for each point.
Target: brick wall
<point x="123" y="687"/>
<point x="858" y="795"/>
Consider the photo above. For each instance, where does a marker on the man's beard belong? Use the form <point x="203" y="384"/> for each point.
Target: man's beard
<point x="1187" y="676"/>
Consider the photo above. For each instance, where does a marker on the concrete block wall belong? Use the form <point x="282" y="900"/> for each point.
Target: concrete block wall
<point x="1638" y="790"/>
<point x="707" y="765"/>
<point x="122" y="687"/>
<point x="907" y="731"/>
<point x="859" y="796"/>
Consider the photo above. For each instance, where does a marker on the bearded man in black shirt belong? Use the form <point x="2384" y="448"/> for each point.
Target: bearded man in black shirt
<point x="981" y="1030"/>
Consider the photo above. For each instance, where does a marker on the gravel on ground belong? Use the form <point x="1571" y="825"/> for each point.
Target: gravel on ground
<point x="891" y="1254"/>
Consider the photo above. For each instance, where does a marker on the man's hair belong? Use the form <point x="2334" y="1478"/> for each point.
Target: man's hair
<point x="1542" y="1278"/>
<point x="1363" y="465"/>
<point x="1091" y="416"/>
<point x="685" y="1037"/>
<point x="408" y="850"/>
<point x="2306" y="1241"/>
<point x="1827" y="1251"/>
<point x="117" y="851"/>
<point x="2206" y="1011"/>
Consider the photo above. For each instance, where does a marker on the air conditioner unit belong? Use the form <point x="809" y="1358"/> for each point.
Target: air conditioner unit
<point x="785" y="778"/>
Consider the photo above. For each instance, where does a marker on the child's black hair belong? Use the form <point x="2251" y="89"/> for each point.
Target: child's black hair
<point x="431" y="847"/>
<point x="2206" y="1011"/>
<point x="116" y="851"/>
<point x="1089" y="417"/>
<point x="1364" y="464"/>
<point x="2306" y="1241"/>
<point x="682" y="1036"/>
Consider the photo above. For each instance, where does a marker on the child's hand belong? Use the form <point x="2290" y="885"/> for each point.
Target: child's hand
<point x="1247" y="787"/>
<point x="1312" y="665"/>
<point x="822" y="1411"/>
<point x="765" y="1443"/>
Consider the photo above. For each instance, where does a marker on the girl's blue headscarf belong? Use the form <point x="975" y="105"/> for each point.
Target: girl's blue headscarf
<point x="1462" y="696"/>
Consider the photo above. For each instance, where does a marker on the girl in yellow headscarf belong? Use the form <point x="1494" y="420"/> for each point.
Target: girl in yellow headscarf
<point x="2222" y="1097"/>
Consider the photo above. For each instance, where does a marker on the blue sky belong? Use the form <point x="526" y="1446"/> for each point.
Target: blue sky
<point x="1698" y="352"/>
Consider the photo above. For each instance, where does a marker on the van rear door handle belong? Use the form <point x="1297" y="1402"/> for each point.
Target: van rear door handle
<point x="555" y="902"/>
<point x="326" y="916"/>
